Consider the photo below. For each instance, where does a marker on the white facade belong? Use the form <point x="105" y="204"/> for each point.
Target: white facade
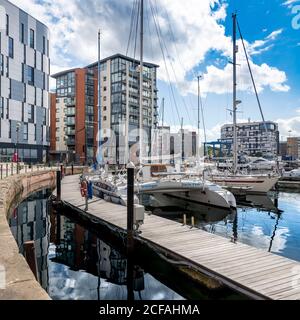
<point x="24" y="85"/>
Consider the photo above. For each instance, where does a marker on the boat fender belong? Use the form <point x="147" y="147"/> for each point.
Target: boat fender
<point x="83" y="189"/>
<point x="90" y="190"/>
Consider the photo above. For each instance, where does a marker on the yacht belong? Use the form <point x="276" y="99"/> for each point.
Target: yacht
<point x="242" y="182"/>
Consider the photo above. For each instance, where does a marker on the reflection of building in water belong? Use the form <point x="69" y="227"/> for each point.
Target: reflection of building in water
<point x="30" y="222"/>
<point x="79" y="249"/>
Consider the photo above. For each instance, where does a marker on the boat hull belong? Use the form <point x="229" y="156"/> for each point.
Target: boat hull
<point x="256" y="185"/>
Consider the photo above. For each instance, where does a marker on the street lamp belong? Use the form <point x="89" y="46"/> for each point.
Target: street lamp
<point x="16" y="146"/>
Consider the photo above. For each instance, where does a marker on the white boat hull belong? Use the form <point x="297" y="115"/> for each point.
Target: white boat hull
<point x="188" y="195"/>
<point x="255" y="184"/>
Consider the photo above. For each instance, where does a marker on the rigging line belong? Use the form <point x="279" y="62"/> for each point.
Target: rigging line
<point x="175" y="45"/>
<point x="172" y="66"/>
<point x="202" y="113"/>
<point x="181" y="63"/>
<point x="136" y="30"/>
<point x="134" y="3"/>
<point x="165" y="63"/>
<point x="252" y="78"/>
<point x="149" y="29"/>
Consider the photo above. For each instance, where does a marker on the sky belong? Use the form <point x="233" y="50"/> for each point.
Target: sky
<point x="187" y="39"/>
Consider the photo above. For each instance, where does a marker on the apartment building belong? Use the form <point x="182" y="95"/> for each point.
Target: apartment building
<point x="24" y="86"/>
<point x="293" y="148"/>
<point x="253" y="138"/>
<point x="76" y="110"/>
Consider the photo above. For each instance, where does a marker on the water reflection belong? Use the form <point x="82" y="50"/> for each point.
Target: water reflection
<point x="30" y="222"/>
<point x="73" y="263"/>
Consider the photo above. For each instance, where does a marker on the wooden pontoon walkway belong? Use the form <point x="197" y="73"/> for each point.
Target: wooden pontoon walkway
<point x="251" y="271"/>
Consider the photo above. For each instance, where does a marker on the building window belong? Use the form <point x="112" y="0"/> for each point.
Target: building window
<point x="7" y="24"/>
<point x="44" y="117"/>
<point x="44" y="45"/>
<point x="1" y="107"/>
<point x="104" y="118"/>
<point x="31" y="39"/>
<point x="31" y="113"/>
<point x="9" y="130"/>
<point x="22" y="32"/>
<point x="30" y="76"/>
<point x="1" y="64"/>
<point x="104" y="78"/>
<point x="25" y="131"/>
<point x="7" y="108"/>
<point x="11" y="47"/>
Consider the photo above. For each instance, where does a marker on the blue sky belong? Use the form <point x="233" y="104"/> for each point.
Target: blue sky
<point x="198" y="41"/>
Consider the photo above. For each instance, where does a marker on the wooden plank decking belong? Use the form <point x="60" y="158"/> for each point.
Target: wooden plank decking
<point x="247" y="269"/>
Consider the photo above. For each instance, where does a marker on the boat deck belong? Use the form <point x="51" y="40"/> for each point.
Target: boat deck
<point x="248" y="270"/>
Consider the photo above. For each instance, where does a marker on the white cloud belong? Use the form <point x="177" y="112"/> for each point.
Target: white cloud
<point x="289" y="127"/>
<point x="198" y="29"/>
<point x="274" y="34"/>
<point x="289" y="3"/>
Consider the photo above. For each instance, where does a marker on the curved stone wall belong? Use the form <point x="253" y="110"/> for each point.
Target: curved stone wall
<point x="17" y="282"/>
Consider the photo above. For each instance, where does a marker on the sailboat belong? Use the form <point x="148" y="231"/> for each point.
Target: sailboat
<point x="166" y="189"/>
<point x="235" y="182"/>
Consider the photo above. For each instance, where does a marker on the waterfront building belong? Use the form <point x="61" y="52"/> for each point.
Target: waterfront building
<point x="173" y="147"/>
<point x="293" y="148"/>
<point x="75" y="109"/>
<point x="253" y="139"/>
<point x="24" y="86"/>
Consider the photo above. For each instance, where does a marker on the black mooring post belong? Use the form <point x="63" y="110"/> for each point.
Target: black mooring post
<point x="130" y="206"/>
<point x="72" y="169"/>
<point x="61" y="171"/>
<point x="1" y="171"/>
<point x="58" y="185"/>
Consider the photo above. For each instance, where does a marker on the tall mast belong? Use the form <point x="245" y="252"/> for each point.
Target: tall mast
<point x="162" y="129"/>
<point x="198" y="139"/>
<point x="141" y="81"/>
<point x="235" y="156"/>
<point x="99" y="99"/>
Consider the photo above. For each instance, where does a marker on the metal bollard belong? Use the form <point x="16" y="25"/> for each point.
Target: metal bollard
<point x="6" y="170"/>
<point x="1" y="171"/>
<point x="12" y="169"/>
<point x="184" y="219"/>
<point x="58" y="185"/>
<point x="193" y="222"/>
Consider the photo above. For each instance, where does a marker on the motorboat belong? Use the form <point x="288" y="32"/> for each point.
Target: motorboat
<point x="157" y="187"/>
<point x="257" y="184"/>
<point x="187" y="194"/>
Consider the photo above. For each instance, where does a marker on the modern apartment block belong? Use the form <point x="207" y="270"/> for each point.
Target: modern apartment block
<point x="293" y="147"/>
<point x="253" y="139"/>
<point x="76" y="110"/>
<point x="24" y="85"/>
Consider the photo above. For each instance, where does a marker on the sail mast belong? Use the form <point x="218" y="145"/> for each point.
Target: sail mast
<point x="162" y="129"/>
<point x="235" y="146"/>
<point x="141" y="82"/>
<point x="99" y="99"/>
<point x="198" y="140"/>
